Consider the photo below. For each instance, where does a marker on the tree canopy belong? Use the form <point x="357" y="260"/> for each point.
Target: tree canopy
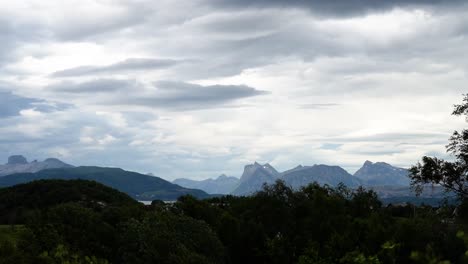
<point x="452" y="175"/>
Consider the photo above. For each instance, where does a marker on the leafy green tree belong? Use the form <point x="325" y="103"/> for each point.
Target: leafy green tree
<point x="452" y="175"/>
<point x="364" y="202"/>
<point x="168" y="238"/>
<point x="62" y="255"/>
<point x="78" y="228"/>
<point x="356" y="257"/>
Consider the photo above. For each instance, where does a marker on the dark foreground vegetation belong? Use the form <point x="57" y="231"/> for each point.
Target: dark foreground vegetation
<point x="78" y="221"/>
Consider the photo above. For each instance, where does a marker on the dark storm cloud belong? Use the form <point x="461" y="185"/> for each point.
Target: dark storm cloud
<point x="132" y="64"/>
<point x="335" y="7"/>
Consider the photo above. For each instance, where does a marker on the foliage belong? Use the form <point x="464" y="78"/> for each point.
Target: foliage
<point x="62" y="255"/>
<point x="316" y="224"/>
<point x="22" y="201"/>
<point x="453" y="175"/>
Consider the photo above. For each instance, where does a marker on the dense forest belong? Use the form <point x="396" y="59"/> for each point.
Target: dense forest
<point x="78" y="221"/>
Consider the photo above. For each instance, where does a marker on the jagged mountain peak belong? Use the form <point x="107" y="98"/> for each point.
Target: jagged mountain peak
<point x="17" y="159"/>
<point x="257" y="168"/>
<point x="222" y="185"/>
<point x="19" y="164"/>
<point x="254" y="176"/>
<point x="222" y="176"/>
<point x="378" y="163"/>
<point x="323" y="174"/>
<point x="382" y="173"/>
<point x="381" y="163"/>
<point x="270" y="169"/>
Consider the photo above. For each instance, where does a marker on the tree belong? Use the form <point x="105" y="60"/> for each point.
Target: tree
<point x="452" y="175"/>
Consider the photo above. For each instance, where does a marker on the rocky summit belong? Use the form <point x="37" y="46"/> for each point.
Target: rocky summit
<point x="19" y="164"/>
<point x="17" y="159"/>
<point x="381" y="173"/>
<point x="221" y="185"/>
<point x="253" y="178"/>
<point x="322" y="174"/>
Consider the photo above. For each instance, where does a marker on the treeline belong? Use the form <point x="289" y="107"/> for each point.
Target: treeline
<point x="86" y="222"/>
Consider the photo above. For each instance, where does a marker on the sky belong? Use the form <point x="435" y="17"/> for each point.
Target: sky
<point x="199" y="88"/>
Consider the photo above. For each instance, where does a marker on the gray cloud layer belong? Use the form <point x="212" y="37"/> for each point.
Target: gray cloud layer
<point x="162" y="94"/>
<point x="187" y="96"/>
<point x="337" y="7"/>
<point x="373" y="79"/>
<point x="132" y="64"/>
<point x="13" y="36"/>
<point x="11" y="104"/>
<point x="94" y="86"/>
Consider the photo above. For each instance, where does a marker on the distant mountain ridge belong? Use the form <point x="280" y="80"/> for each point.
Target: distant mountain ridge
<point x="322" y="174"/>
<point x="19" y="164"/>
<point x="253" y="178"/>
<point x="221" y="185"/>
<point x="138" y="186"/>
<point x="256" y="175"/>
<point x="381" y="173"/>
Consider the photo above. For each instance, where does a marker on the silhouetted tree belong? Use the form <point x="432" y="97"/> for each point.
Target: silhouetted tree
<point x="452" y="175"/>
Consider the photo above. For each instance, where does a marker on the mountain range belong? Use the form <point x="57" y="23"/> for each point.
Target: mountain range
<point x="221" y="185"/>
<point x="256" y="175"/>
<point x="322" y="174"/>
<point x="19" y="164"/>
<point x="380" y="176"/>
<point x="381" y="173"/>
<point x="139" y="186"/>
<point x="253" y="178"/>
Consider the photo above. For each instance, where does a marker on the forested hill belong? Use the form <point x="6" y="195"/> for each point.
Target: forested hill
<point x="78" y="221"/>
<point x="17" y="202"/>
<point x="138" y="186"/>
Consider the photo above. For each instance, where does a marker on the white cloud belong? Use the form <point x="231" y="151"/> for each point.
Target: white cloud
<point x="375" y="85"/>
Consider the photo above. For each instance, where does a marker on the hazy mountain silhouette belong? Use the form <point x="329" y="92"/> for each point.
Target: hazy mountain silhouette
<point x="19" y="164"/>
<point x="322" y="174"/>
<point x="138" y="186"/>
<point x="381" y="173"/>
<point x="221" y="185"/>
<point x="253" y="178"/>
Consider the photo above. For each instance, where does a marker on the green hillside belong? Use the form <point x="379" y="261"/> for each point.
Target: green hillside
<point x="138" y="186"/>
<point x="21" y="201"/>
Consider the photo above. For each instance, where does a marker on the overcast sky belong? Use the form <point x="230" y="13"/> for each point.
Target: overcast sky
<point x="202" y="87"/>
